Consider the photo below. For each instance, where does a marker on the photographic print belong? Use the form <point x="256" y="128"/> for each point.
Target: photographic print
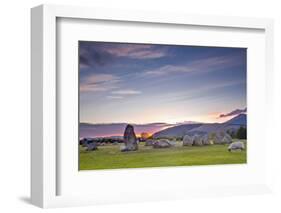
<point x="158" y="105"/>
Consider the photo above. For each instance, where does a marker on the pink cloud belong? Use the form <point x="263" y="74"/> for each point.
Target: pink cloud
<point x="126" y="92"/>
<point x="136" y="51"/>
<point x="99" y="82"/>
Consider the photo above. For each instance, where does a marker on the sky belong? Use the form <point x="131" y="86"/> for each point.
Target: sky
<point x="146" y="83"/>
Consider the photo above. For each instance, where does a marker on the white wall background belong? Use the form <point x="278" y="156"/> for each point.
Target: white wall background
<point x="15" y="99"/>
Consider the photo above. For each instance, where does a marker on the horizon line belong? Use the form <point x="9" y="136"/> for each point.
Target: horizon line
<point x="177" y="123"/>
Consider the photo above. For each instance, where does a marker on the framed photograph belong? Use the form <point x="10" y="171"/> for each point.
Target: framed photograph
<point x="148" y="105"/>
<point x="164" y="105"/>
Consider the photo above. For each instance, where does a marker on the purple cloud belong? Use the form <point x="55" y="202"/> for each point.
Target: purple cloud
<point x="234" y="112"/>
<point x="90" y="56"/>
<point x="100" y="54"/>
<point x="198" y="66"/>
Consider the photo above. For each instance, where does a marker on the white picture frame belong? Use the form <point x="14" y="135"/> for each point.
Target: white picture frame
<point x="44" y="150"/>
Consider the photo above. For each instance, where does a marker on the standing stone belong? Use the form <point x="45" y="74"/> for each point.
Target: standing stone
<point x="217" y="139"/>
<point x="187" y="140"/>
<point x="130" y="139"/>
<point x="205" y="140"/>
<point x="197" y="141"/>
<point x="226" y="139"/>
<point x="222" y="138"/>
<point x="229" y="138"/>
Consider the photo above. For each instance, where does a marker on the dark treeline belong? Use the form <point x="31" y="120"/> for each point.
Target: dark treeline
<point x="241" y="133"/>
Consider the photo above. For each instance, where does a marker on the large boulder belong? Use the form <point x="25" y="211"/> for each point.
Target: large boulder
<point x="217" y="139"/>
<point x="91" y="146"/>
<point x="205" y="140"/>
<point x="238" y="145"/>
<point x="130" y="139"/>
<point x="197" y="141"/>
<point x="222" y="138"/>
<point x="187" y="140"/>
<point x="149" y="142"/>
<point x="226" y="139"/>
<point x="163" y="143"/>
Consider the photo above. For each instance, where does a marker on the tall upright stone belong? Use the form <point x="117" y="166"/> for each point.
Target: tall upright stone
<point x="197" y="141"/>
<point x="217" y="139"/>
<point x="227" y="139"/>
<point x="187" y="140"/>
<point x="130" y="139"/>
<point x="205" y="140"/>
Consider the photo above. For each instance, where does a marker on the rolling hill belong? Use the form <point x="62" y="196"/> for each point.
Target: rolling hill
<point x="191" y="129"/>
<point x="176" y="131"/>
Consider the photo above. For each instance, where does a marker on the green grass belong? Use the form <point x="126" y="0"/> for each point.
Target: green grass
<point x="110" y="157"/>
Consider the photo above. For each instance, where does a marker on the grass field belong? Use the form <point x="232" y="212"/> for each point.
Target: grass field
<point x="110" y="157"/>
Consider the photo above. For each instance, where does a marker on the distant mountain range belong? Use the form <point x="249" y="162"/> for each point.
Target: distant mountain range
<point x="203" y="128"/>
<point x="162" y="129"/>
<point x="176" y="131"/>
<point x="117" y="129"/>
